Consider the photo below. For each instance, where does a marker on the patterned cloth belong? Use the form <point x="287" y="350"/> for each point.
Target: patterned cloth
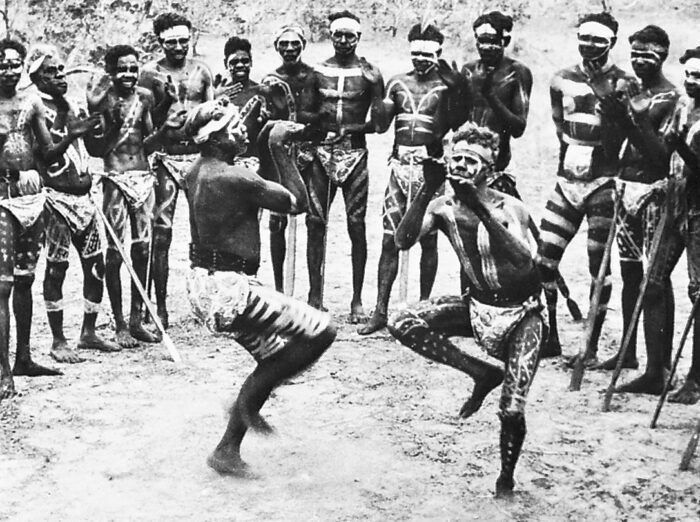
<point x="340" y="159"/>
<point x="26" y="209"/>
<point x="406" y="168"/>
<point x="218" y="298"/>
<point x="177" y="165"/>
<point x="576" y="192"/>
<point x="77" y="210"/>
<point x="493" y="324"/>
<point x="136" y="185"/>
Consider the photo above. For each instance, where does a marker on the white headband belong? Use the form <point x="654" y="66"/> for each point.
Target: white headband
<point x="487" y="28"/>
<point x="596" y="29"/>
<point x="38" y="54"/>
<point x="692" y="65"/>
<point x="345" y="24"/>
<point x="177" y="31"/>
<point x="424" y="46"/>
<point x="34" y="66"/>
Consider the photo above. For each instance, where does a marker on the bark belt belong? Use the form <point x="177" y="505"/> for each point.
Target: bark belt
<point x="218" y="261"/>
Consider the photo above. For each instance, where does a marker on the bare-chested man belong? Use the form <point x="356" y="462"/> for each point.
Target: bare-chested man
<point x="127" y="183"/>
<point x="70" y="212"/>
<point x="642" y="115"/>
<point x="23" y="136"/>
<point x="589" y="146"/>
<point x="180" y="83"/>
<point x="283" y="335"/>
<point x="501" y="89"/>
<point x="491" y="234"/>
<point x="286" y="84"/>
<point x="419" y="101"/>
<point x="336" y="100"/>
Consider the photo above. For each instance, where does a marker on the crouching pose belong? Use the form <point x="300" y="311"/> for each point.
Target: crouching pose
<point x="489" y="232"/>
<point x="284" y="336"/>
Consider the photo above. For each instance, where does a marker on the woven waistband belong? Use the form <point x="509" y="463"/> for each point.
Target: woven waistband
<point x="217" y="261"/>
<point x="512" y="297"/>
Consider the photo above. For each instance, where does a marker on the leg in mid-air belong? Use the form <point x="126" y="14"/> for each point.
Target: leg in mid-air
<point x="425" y="328"/>
<point x="524" y="345"/>
<point x="166" y="192"/>
<point x="27" y="249"/>
<point x="285" y="336"/>
<point x="321" y="194"/>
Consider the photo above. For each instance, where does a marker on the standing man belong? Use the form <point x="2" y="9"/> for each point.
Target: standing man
<point x="419" y="101"/>
<point x="641" y="118"/>
<point x="70" y="212"/>
<point x="286" y="84"/>
<point x="589" y="145"/>
<point x="23" y="135"/>
<point x="337" y="98"/>
<point x="489" y="232"/>
<point x="180" y="83"/>
<point x="283" y="335"/>
<point x="501" y="89"/>
<point x="128" y="181"/>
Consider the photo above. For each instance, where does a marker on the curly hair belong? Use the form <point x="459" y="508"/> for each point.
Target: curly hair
<point x="236" y="43"/>
<point x="472" y="133"/>
<point x="114" y="53"/>
<point x="652" y="34"/>
<point x="496" y="19"/>
<point x="690" y="53"/>
<point x="430" y="33"/>
<point x="167" y="20"/>
<point x="604" y="18"/>
<point x="9" y="43"/>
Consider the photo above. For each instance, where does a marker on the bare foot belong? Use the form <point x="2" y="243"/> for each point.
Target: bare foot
<point x="137" y="331"/>
<point x="376" y="322"/>
<point x="589" y="362"/>
<point x="61" y="352"/>
<point x="481" y="389"/>
<point x="357" y="313"/>
<point x="646" y="383"/>
<point x="504" y="487"/>
<point x="226" y="464"/>
<point x="125" y="340"/>
<point x="92" y="341"/>
<point x="689" y="393"/>
<point x="629" y="362"/>
<point x="29" y="368"/>
<point x="317" y="303"/>
<point x="7" y="387"/>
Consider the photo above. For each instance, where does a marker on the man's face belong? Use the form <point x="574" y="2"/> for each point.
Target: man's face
<point x="175" y="42"/>
<point x="594" y="41"/>
<point x="467" y="165"/>
<point x="289" y="47"/>
<point x="345" y="41"/>
<point x="11" y="65"/>
<point x="51" y="77"/>
<point x="692" y="78"/>
<point x="647" y="59"/>
<point x="126" y="73"/>
<point x="489" y="44"/>
<point x="238" y="64"/>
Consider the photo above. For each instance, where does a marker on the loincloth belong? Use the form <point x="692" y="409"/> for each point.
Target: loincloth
<point x="492" y="325"/>
<point x="77" y="210"/>
<point x="26" y="209"/>
<point x="407" y="169"/>
<point x="218" y="298"/>
<point x="135" y="185"/>
<point x="340" y="160"/>
<point x="576" y="192"/>
<point x="177" y="165"/>
<point x="638" y="195"/>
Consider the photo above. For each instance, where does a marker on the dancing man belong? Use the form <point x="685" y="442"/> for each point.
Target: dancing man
<point x="283" y="335"/>
<point x="178" y="83"/>
<point x="490" y="233"/>
<point x="287" y="83"/>
<point x="641" y="115"/>
<point x="23" y="136"/>
<point x="419" y="101"/>
<point x="501" y="89"/>
<point x="70" y="212"/>
<point x="588" y="162"/>
<point x="336" y="100"/>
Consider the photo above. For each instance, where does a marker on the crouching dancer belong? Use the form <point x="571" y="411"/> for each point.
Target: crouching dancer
<point x="285" y="336"/>
<point x="490" y="233"/>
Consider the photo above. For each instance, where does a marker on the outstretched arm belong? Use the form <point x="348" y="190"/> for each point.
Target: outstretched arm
<point x="416" y="223"/>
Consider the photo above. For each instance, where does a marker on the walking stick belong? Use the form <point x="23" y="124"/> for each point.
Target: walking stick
<point x="598" y="283"/>
<point x="405" y="255"/>
<point x="167" y="341"/>
<point x="290" y="261"/>
<point x="690" y="448"/>
<point x="653" y="250"/>
<point x="667" y="384"/>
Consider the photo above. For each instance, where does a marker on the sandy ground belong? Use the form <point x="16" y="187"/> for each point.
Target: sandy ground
<point x="369" y="433"/>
